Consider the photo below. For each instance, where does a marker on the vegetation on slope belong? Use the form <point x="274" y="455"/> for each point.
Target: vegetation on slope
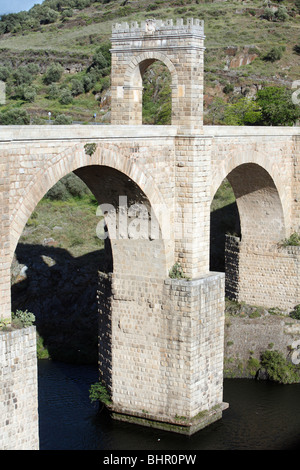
<point x="249" y="45"/>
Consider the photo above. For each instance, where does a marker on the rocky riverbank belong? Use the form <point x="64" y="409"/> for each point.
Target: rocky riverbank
<point x="250" y="331"/>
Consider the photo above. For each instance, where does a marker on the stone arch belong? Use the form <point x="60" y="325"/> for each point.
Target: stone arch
<point x="133" y="82"/>
<point x="259" y="204"/>
<point x="142" y="61"/>
<point x="74" y="159"/>
<point x="263" y="172"/>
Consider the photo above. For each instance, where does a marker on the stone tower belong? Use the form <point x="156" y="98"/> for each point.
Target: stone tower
<point x="180" y="47"/>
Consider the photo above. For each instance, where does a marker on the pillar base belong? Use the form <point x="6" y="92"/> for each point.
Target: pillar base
<point x="179" y="425"/>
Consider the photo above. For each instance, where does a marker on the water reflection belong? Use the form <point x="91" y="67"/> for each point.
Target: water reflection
<point x="262" y="415"/>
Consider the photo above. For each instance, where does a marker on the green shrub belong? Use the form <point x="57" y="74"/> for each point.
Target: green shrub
<point x="58" y="192"/>
<point x="77" y="87"/>
<point x="293" y="240"/>
<point x="295" y="313"/>
<point x="281" y="14"/>
<point x="99" y="62"/>
<point x="5" y="72"/>
<point x="296" y="49"/>
<point x="268" y="14"/>
<point x="22" y="76"/>
<point x="98" y="392"/>
<point x="228" y="88"/>
<point x="242" y="113"/>
<point x="75" y="186"/>
<point x="62" y="120"/>
<point x="277" y="108"/>
<point x="255" y="314"/>
<point x="53" y="74"/>
<point x="67" y="13"/>
<point x="26" y="93"/>
<point x="90" y="149"/>
<point x="48" y="16"/>
<point x="104" y="83"/>
<point x="88" y="82"/>
<point x="277" y="367"/>
<point x="16" y="117"/>
<point x="253" y="366"/>
<point x="34" y="69"/>
<point x="176" y="272"/>
<point x="5" y="324"/>
<point x="41" y="350"/>
<point x="65" y="96"/>
<point x="274" y="54"/>
<point x="69" y="186"/>
<point x="23" y="318"/>
<point x="54" y="91"/>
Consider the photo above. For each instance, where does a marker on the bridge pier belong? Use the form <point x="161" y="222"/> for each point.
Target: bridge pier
<point x="164" y="365"/>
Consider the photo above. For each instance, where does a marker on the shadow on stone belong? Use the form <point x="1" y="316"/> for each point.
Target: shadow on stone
<point x="61" y="291"/>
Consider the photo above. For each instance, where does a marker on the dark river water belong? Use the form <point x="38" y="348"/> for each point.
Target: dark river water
<point x="261" y="416"/>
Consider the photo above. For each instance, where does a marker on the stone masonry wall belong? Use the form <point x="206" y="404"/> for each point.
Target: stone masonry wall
<point x="253" y="271"/>
<point x="249" y="337"/>
<point x="269" y="276"/>
<point x="18" y="390"/>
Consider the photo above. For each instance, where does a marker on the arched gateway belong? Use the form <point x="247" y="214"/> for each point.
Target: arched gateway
<point x="161" y="338"/>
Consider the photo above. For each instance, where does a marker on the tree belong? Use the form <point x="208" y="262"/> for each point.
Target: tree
<point x="101" y="60"/>
<point x="29" y="93"/>
<point x="65" y="96"/>
<point x="274" y="54"/>
<point x="89" y="82"/>
<point x="296" y="48"/>
<point x="216" y="111"/>
<point x="5" y="73"/>
<point x="54" y="91"/>
<point x="77" y="87"/>
<point x="244" y="112"/>
<point x="277" y="108"/>
<point x="22" y="76"/>
<point x="281" y="14"/>
<point x="53" y="73"/>
<point x="14" y="117"/>
<point x="62" y="119"/>
<point x="25" y="92"/>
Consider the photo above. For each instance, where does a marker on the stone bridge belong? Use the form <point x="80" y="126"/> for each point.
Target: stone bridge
<point x="160" y="338"/>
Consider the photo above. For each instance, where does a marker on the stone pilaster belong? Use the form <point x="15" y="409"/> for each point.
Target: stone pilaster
<point x="4" y="237"/>
<point x="296" y="186"/>
<point x="192" y="183"/>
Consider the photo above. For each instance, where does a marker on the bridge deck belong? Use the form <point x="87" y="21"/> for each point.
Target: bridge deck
<point x="86" y="132"/>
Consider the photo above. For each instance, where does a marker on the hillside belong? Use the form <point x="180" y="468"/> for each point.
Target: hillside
<point x="249" y="44"/>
